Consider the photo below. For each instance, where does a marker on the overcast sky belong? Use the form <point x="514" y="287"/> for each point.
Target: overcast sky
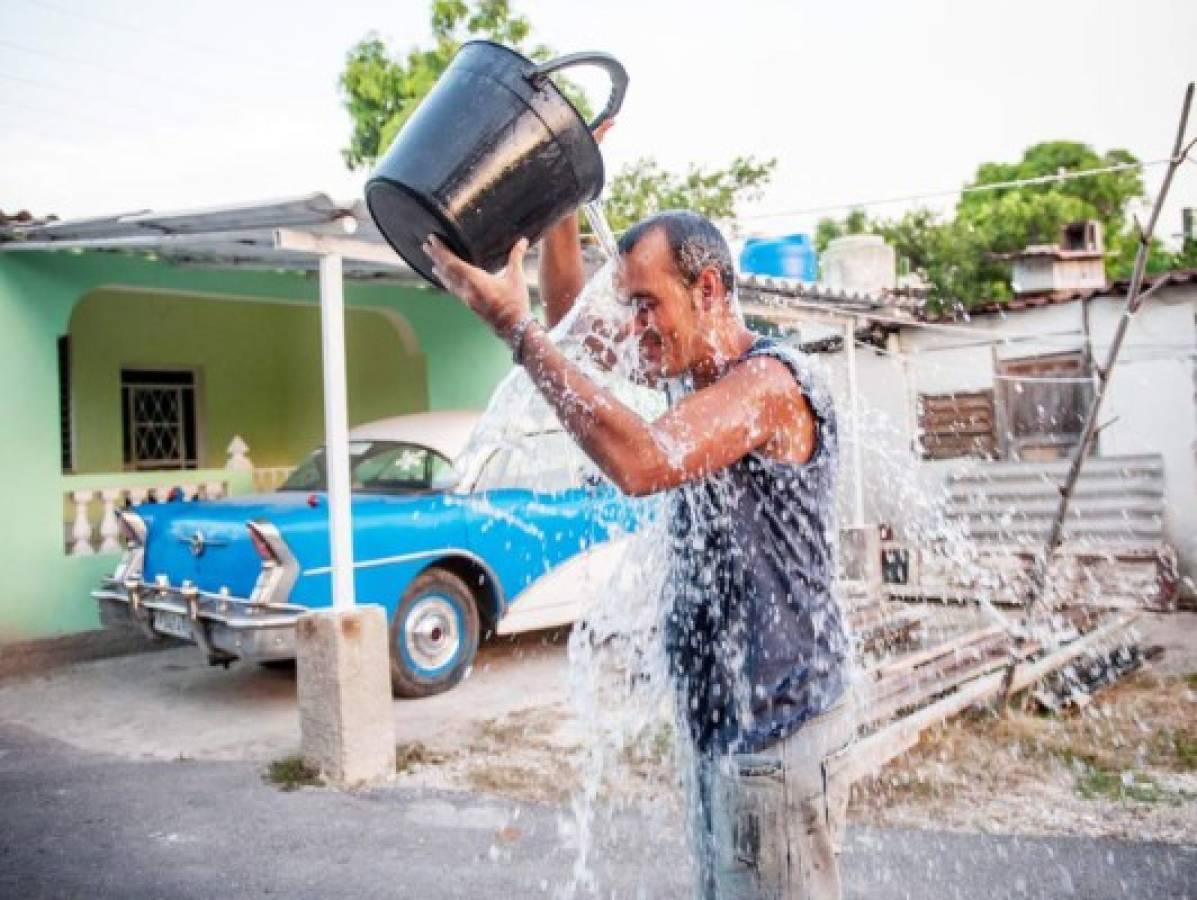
<point x="114" y="105"/>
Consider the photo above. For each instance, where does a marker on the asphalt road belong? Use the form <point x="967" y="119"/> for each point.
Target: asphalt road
<point x="80" y="824"/>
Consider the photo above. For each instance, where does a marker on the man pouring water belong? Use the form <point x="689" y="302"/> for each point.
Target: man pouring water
<point x="756" y="642"/>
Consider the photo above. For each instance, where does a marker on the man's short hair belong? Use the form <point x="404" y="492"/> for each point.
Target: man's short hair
<point x="694" y="243"/>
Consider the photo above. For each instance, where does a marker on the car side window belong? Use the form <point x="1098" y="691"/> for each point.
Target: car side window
<point x="441" y="473"/>
<point x="401" y="466"/>
<point x="493" y="470"/>
<point x="547" y="463"/>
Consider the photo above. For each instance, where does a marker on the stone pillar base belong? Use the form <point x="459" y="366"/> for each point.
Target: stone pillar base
<point x="343" y="673"/>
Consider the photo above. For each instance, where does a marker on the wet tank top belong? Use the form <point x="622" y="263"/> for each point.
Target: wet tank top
<point x="755" y="637"/>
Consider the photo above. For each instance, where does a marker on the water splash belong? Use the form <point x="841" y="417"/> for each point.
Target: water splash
<point x="620" y="689"/>
<point x="601" y="228"/>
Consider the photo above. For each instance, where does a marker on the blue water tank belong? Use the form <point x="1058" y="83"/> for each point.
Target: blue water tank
<point x="789" y="256"/>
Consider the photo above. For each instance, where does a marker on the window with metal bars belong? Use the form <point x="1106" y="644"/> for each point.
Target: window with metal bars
<point x="65" y="445"/>
<point x="158" y="413"/>
<point x="955" y="425"/>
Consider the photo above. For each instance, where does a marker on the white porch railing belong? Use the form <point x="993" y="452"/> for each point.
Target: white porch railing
<point x="268" y="478"/>
<point x="90" y="502"/>
<point x="90" y="525"/>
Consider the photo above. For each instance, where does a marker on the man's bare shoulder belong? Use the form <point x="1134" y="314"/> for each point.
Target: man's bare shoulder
<point x="764" y="378"/>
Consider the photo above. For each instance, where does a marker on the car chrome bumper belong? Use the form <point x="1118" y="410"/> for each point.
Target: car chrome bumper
<point x="224" y="627"/>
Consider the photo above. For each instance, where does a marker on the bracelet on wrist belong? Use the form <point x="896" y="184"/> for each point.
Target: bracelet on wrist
<point x="518" y="335"/>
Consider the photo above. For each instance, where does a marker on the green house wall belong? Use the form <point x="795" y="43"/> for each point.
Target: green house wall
<point x="256" y="366"/>
<point x="408" y="349"/>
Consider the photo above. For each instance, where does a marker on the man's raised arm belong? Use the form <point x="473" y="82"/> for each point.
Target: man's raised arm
<point x="706" y="431"/>
<point x="561" y="274"/>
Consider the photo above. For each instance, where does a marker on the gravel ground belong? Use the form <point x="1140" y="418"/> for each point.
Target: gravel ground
<point x="83" y="824"/>
<point x="508" y="732"/>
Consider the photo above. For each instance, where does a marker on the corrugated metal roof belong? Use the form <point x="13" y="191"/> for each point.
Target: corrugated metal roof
<point x="772" y="292"/>
<point x="762" y="288"/>
<point x="310" y="210"/>
<point x="1050" y="251"/>
<point x="240" y="235"/>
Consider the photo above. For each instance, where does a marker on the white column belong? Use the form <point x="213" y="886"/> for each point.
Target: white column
<point x="109" y="529"/>
<point x="854" y="402"/>
<point x="81" y="530"/>
<point x="238" y="452"/>
<point x="336" y="429"/>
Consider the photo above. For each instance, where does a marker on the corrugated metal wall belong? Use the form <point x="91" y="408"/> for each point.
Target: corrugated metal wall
<point x="1119" y="502"/>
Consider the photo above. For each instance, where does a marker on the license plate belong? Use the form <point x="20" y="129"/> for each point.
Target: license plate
<point x="172" y="623"/>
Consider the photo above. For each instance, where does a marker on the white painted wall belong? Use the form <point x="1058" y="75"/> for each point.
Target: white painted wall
<point x="1035" y="274"/>
<point x="1150" y="403"/>
<point x="1153" y="400"/>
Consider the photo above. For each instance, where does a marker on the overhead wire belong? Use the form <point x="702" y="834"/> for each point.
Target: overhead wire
<point x="950" y="192"/>
<point x="946" y="327"/>
<point x="17" y="104"/>
<point x="108" y="101"/>
<point x="957" y="327"/>
<point x="918" y="360"/>
<point x="991" y="337"/>
<point x="195" y="87"/>
<point x="208" y="52"/>
<point x="953" y="192"/>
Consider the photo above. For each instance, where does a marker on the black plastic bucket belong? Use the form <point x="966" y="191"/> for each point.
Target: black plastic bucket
<point x="493" y="153"/>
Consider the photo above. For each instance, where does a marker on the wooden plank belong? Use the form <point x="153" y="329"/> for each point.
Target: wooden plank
<point x="869" y="754"/>
<point x="919" y="689"/>
<point x="917" y="659"/>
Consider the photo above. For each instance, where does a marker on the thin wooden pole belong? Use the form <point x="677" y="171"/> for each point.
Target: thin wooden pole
<point x="1134" y="299"/>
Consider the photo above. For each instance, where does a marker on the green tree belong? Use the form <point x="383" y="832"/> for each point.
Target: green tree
<point x="381" y="89"/>
<point x="957" y="255"/>
<point x="856" y="222"/>
<point x="643" y="188"/>
<point x="1008" y="219"/>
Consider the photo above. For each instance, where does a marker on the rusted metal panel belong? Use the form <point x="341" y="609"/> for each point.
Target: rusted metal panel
<point x="956" y="425"/>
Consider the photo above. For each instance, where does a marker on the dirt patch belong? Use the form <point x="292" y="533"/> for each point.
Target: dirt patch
<point x="1124" y="767"/>
<point x="1176" y="635"/>
<point x="534" y="754"/>
<point x="411" y="756"/>
<point x="525" y="755"/>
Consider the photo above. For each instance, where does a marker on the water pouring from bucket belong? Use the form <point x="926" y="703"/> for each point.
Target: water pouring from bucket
<point x="493" y="154"/>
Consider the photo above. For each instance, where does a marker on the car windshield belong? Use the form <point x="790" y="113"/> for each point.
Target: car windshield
<point x="378" y="467"/>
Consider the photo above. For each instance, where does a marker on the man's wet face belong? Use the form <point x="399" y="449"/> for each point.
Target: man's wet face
<point x="664" y="324"/>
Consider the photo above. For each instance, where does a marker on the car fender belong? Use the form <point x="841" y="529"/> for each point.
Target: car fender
<point x="565" y="593"/>
<point x="383" y="580"/>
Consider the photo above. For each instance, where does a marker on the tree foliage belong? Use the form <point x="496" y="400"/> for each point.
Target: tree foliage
<point x="956" y="255"/>
<point x="381" y="89"/>
<point x="644" y="187"/>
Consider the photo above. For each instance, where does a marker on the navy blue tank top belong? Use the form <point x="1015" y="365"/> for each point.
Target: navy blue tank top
<point x="755" y="637"/>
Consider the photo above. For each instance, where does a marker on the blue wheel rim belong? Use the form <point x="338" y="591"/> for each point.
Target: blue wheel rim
<point x="432" y="636"/>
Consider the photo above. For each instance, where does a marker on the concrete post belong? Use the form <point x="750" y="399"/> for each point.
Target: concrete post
<point x="861" y="546"/>
<point x="346" y="719"/>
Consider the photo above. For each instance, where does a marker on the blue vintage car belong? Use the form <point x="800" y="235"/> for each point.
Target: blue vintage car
<point x="452" y="542"/>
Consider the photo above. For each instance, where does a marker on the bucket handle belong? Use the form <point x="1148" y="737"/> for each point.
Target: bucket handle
<point x="613" y="67"/>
